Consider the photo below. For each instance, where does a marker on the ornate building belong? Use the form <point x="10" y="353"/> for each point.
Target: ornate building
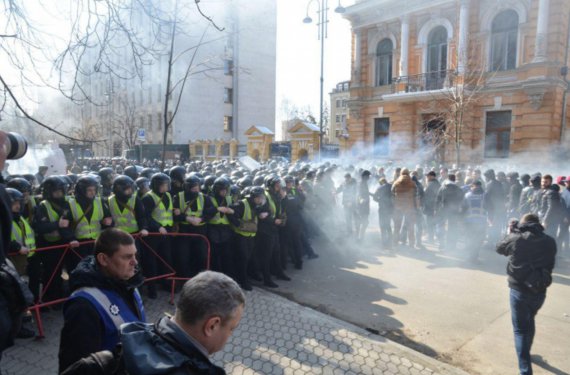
<point x="479" y="78"/>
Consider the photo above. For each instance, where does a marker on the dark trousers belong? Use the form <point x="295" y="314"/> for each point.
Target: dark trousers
<point x="450" y="233"/>
<point x="49" y="260"/>
<point x="221" y="259"/>
<point x="385" y="221"/>
<point x="241" y="258"/>
<point x="524" y="307"/>
<point x="34" y="271"/>
<point x="151" y="265"/>
<point x="264" y="247"/>
<point x="291" y="238"/>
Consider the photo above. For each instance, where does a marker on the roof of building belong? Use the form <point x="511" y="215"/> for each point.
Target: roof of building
<point x="310" y="126"/>
<point x="259" y="129"/>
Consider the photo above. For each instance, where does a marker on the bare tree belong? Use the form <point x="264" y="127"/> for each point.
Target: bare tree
<point x="125" y="125"/>
<point x="450" y="107"/>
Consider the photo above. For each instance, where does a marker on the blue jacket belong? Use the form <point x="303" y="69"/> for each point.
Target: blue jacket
<point x="162" y="348"/>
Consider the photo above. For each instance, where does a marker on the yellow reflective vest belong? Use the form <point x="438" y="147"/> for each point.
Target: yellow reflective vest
<point x="162" y="214"/>
<point x="247" y="223"/>
<point x="218" y="219"/>
<point x="23" y="233"/>
<point x="187" y="210"/>
<point x="53" y="217"/>
<point x="85" y="228"/>
<point x="124" y="217"/>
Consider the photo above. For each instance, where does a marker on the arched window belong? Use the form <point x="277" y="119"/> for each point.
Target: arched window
<point x="504" y="35"/>
<point x="384" y="62"/>
<point x="437" y="58"/>
<point x="437" y="50"/>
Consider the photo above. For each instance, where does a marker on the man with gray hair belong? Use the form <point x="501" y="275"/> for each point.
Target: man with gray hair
<point x="209" y="308"/>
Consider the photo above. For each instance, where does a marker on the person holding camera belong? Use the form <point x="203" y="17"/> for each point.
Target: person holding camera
<point x="531" y="255"/>
<point x="15" y="297"/>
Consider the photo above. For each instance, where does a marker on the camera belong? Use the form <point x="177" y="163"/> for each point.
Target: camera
<point x="15" y="145"/>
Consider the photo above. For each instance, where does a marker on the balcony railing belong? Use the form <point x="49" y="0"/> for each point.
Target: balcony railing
<point x="423" y="82"/>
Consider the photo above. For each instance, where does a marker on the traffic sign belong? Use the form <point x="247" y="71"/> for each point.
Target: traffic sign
<point x="141" y="134"/>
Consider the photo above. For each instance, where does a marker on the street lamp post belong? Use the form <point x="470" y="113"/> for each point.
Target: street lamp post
<point x="322" y="24"/>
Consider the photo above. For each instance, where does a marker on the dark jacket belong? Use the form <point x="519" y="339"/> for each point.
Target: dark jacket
<point x="383" y="195"/>
<point x="495" y="198"/>
<point x="450" y="198"/>
<point x="81" y="319"/>
<point x="551" y="207"/>
<point x="430" y="197"/>
<point x="527" y="248"/>
<point x="527" y="199"/>
<point x="162" y="348"/>
<point x="513" y="197"/>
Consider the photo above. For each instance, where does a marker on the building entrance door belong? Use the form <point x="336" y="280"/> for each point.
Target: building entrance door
<point x="433" y="140"/>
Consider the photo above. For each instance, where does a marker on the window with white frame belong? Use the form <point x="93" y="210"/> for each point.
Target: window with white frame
<point x="384" y="52"/>
<point x="504" y="36"/>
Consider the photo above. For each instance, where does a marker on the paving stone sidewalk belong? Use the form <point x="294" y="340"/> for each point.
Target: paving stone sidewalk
<point x="276" y="336"/>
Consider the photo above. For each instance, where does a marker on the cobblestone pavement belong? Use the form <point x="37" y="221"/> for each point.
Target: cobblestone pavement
<point x="276" y="336"/>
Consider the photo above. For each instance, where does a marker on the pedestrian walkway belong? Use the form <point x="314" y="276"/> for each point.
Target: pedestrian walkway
<point x="276" y="336"/>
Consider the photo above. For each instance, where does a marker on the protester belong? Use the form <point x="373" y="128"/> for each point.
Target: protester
<point x="531" y="255"/>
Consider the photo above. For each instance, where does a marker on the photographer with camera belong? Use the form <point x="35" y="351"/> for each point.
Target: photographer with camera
<point x="531" y="255"/>
<point x="14" y="295"/>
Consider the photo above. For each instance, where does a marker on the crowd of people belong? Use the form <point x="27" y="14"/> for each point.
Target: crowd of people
<point x="257" y="222"/>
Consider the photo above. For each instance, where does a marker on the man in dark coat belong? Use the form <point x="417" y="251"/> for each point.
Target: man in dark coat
<point x="383" y="195"/>
<point x="494" y="203"/>
<point x="531" y="259"/>
<point x="104" y="296"/>
<point x="449" y="202"/>
<point x="551" y="207"/>
<point x="430" y="204"/>
<point x="209" y="308"/>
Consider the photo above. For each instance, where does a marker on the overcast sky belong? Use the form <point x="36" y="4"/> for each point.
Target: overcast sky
<point x="298" y="53"/>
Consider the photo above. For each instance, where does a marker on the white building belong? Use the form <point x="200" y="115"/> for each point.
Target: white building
<point x="231" y="85"/>
<point x="339" y="111"/>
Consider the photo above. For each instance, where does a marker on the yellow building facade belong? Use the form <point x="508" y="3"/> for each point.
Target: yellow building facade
<point x="430" y="78"/>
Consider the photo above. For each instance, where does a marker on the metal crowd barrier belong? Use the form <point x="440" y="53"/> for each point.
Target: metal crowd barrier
<point x="171" y="275"/>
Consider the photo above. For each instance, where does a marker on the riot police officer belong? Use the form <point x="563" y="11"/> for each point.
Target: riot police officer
<point x="247" y="211"/>
<point x="190" y="207"/>
<point x="159" y="213"/>
<point x="220" y="233"/>
<point x="90" y="214"/>
<point x="52" y="224"/>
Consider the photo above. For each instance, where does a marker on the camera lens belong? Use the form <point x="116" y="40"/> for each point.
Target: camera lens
<point x="16" y="146"/>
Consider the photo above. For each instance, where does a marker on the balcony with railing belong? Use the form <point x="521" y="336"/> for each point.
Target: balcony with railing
<point x="423" y="82"/>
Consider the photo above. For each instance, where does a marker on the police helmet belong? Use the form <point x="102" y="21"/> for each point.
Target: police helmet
<point x="14" y="195"/>
<point x="20" y="184"/>
<point x="258" y="181"/>
<point x="106" y="175"/>
<point x="177" y="174"/>
<point x="131" y="171"/>
<point x="83" y="183"/>
<point x="50" y="185"/>
<point x="142" y="182"/>
<point x="157" y="180"/>
<point x="121" y="184"/>
<point x="191" y="182"/>
<point x="256" y="191"/>
<point x="147" y="172"/>
<point x="220" y="184"/>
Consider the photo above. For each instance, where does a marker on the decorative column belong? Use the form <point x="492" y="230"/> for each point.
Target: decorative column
<point x="463" y="37"/>
<point x="233" y="148"/>
<point x="404" y="42"/>
<point x="357" y="57"/>
<point x="541" y="31"/>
